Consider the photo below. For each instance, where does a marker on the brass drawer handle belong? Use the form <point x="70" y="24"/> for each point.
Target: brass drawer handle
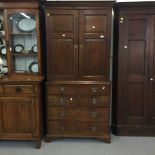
<point x="94" y="90"/>
<point x="61" y="100"/>
<point x="18" y="89"/>
<point x="62" y="89"/>
<point x="62" y="128"/>
<point x="94" y="100"/>
<point x="94" y="114"/>
<point x="94" y="129"/>
<point x="62" y="114"/>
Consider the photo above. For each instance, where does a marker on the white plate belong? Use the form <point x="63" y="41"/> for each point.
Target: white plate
<point x="18" y="48"/>
<point x="34" y="49"/>
<point x="5" y="70"/>
<point x="3" y="50"/>
<point x="27" y="25"/>
<point x="33" y="68"/>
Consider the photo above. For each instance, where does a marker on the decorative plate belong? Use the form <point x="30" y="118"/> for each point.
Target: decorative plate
<point x="34" y="48"/>
<point x="33" y="67"/>
<point x="5" y="69"/>
<point x="18" y="48"/>
<point x="3" y="50"/>
<point x="27" y="25"/>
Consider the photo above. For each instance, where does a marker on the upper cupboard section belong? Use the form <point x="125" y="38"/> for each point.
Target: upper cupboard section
<point x="78" y="43"/>
<point x="20" y="44"/>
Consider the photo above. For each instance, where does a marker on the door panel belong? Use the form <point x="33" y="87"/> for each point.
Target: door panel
<point x="62" y="44"/>
<point x="94" y="40"/>
<point x="135" y="80"/>
<point x="152" y="73"/>
<point x="17" y="116"/>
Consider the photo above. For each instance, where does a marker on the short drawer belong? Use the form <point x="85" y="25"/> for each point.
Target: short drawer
<point x="57" y="100"/>
<point x="61" y="113"/>
<point x="94" y="101"/>
<point x="61" y="127"/>
<point x="93" y="114"/>
<point x="99" y="89"/>
<point x="1" y="89"/>
<point x="16" y="89"/>
<point x="93" y="128"/>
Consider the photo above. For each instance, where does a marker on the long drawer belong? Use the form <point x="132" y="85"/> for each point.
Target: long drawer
<point x="77" y="128"/>
<point x="16" y="89"/>
<point x="91" y="89"/>
<point x="72" y="100"/>
<point x="82" y="114"/>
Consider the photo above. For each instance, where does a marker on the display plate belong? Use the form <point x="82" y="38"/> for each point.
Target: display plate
<point x="33" y="68"/>
<point x="27" y="25"/>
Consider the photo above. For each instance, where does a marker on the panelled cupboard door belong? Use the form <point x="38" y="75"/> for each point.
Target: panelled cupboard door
<point x="135" y="73"/>
<point x="151" y="102"/>
<point x="94" y="44"/>
<point x="62" y="48"/>
<point x="17" y="117"/>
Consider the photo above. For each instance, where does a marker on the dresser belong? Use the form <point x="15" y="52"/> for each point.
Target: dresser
<point x="134" y="70"/>
<point x="78" y="40"/>
<point x="21" y="75"/>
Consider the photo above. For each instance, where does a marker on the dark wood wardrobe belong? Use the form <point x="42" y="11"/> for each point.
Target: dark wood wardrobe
<point x="78" y="36"/>
<point x="134" y="69"/>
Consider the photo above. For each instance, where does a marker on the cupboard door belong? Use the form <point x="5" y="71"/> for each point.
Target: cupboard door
<point x="62" y="48"/>
<point x="94" y="40"/>
<point x="135" y="50"/>
<point x="17" y="117"/>
<point x="152" y="73"/>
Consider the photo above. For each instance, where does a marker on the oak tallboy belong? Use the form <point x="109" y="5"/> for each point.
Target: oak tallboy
<point x="78" y="41"/>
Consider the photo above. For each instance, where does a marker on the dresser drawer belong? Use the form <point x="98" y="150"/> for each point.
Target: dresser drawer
<point x="93" y="128"/>
<point x="62" y="89"/>
<point x="57" y="100"/>
<point x="1" y="89"/>
<point x="94" y="101"/>
<point x="16" y="89"/>
<point x="61" y="127"/>
<point x="93" y="114"/>
<point x="61" y="113"/>
<point x="100" y="89"/>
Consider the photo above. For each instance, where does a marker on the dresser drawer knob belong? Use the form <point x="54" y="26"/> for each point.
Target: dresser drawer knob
<point x="93" y="89"/>
<point x="62" y="114"/>
<point x="71" y="99"/>
<point x="94" y="114"/>
<point x="61" y="100"/>
<point x="18" y="89"/>
<point x="94" y="100"/>
<point x="62" y="128"/>
<point x="62" y="89"/>
<point x="94" y="128"/>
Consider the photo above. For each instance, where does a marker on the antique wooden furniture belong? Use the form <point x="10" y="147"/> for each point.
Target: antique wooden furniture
<point x="134" y="70"/>
<point x="21" y="74"/>
<point x="78" y="36"/>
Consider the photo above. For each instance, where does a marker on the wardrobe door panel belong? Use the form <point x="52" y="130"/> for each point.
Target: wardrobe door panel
<point x="62" y="48"/>
<point x="152" y="73"/>
<point x="136" y="51"/>
<point x="94" y="40"/>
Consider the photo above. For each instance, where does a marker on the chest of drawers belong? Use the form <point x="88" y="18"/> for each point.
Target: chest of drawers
<point x="78" y="110"/>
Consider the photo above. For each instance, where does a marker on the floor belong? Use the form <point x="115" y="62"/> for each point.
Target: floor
<point x="118" y="146"/>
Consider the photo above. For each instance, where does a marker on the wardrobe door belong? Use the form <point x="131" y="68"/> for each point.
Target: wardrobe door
<point x="62" y="48"/>
<point x="135" y="51"/>
<point x="152" y="74"/>
<point x="94" y="40"/>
